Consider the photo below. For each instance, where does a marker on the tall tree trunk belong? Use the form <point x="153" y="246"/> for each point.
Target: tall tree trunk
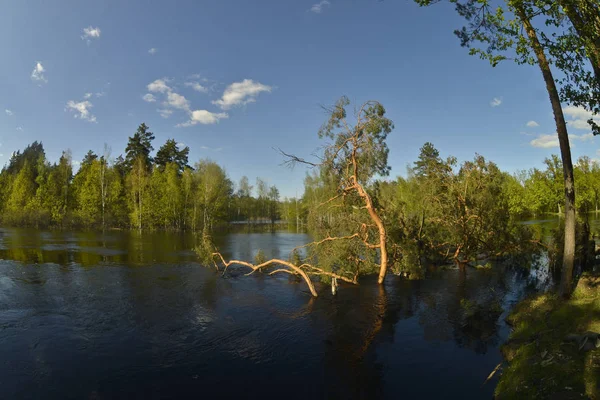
<point x="140" y="201"/>
<point x="102" y="188"/>
<point x="383" y="264"/>
<point x="565" y="152"/>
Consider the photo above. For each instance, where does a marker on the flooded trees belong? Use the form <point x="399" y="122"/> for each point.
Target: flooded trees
<point x="349" y="233"/>
<point x="450" y="212"/>
<point x="507" y="33"/>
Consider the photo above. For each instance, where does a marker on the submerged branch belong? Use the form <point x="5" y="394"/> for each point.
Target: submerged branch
<point x="292" y="269"/>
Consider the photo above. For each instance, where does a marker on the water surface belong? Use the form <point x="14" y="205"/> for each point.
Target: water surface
<point x="121" y="315"/>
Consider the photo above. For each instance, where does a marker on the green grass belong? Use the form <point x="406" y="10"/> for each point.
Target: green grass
<point x="541" y="365"/>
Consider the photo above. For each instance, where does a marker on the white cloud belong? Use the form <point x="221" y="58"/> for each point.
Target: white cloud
<point x="149" y="97"/>
<point x="176" y="100"/>
<point x="203" y="117"/>
<point x="318" y="8"/>
<point x="81" y="110"/>
<point x="549" y="141"/>
<point x="577" y="112"/>
<point x="87" y="96"/>
<point x="171" y="101"/>
<point x="165" y="112"/>
<point x="584" y="138"/>
<point x="20" y="128"/>
<point x="197" y="87"/>
<point x="496" y="101"/>
<point x="532" y="124"/>
<point x="152" y="51"/>
<point x="38" y="73"/>
<point x="8" y="112"/>
<point x="159" y="86"/>
<point x="578" y="124"/>
<point x="239" y="93"/>
<point x="579" y="117"/>
<point x="545" y="141"/>
<point x="90" y="33"/>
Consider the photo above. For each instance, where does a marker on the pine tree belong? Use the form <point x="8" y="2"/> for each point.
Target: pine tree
<point x="170" y="153"/>
<point x="139" y="145"/>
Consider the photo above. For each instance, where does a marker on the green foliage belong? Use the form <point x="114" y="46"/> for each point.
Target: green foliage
<point x="128" y="192"/>
<point x="295" y="258"/>
<point x="260" y="257"/>
<point x="139" y="147"/>
<point x="448" y="212"/>
<point x="205" y="249"/>
<point x="338" y="195"/>
<point x="170" y="153"/>
<point x="369" y="143"/>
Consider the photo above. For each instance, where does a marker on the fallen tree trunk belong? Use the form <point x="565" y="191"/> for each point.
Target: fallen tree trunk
<point x="303" y="270"/>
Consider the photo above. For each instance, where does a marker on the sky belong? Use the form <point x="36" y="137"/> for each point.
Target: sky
<point x="236" y="79"/>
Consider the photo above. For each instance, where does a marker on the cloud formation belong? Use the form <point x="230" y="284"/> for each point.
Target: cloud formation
<point x="318" y="7"/>
<point x="178" y="101"/>
<point x="579" y="117"/>
<point x="90" y="33"/>
<point x="8" y="112"/>
<point x="203" y="117"/>
<point x="38" y="73"/>
<point x="236" y="94"/>
<point x="532" y="124"/>
<point x="152" y="51"/>
<point x="197" y="87"/>
<point x="81" y="110"/>
<point x="165" y="112"/>
<point x="149" y="97"/>
<point x="544" y="141"/>
<point x="240" y="93"/>
<point x="496" y="101"/>
<point x="159" y="86"/>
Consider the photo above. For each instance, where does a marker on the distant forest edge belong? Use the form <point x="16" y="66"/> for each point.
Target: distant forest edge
<point x="145" y="192"/>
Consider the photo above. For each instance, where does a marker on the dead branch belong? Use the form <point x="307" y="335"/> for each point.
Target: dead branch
<point x="292" y="160"/>
<point x="267" y="264"/>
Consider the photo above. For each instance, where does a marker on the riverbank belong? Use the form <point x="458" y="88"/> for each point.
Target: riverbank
<point x="541" y="363"/>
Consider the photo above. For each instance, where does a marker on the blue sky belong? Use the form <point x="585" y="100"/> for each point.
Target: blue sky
<point x="233" y="79"/>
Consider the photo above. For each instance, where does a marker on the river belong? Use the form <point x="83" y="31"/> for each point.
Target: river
<point x="119" y="315"/>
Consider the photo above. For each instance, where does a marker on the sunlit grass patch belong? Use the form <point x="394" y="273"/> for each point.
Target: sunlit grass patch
<point x="541" y="363"/>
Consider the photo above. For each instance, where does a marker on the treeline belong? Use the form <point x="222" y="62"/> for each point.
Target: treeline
<point x="137" y="191"/>
<point x="446" y="211"/>
<point x="540" y="191"/>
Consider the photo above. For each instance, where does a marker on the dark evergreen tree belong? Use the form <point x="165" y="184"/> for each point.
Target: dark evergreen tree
<point x="140" y="144"/>
<point x="170" y="153"/>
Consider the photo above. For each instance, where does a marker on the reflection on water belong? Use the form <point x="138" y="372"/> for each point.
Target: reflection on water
<point x="119" y="315"/>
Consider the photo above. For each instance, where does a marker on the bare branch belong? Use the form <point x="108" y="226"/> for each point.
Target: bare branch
<point x="267" y="264"/>
<point x="292" y="160"/>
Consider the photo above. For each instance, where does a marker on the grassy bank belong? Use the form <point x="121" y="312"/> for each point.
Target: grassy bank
<point x="541" y="364"/>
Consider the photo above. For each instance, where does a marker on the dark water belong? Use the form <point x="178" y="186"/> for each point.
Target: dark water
<point x="122" y="316"/>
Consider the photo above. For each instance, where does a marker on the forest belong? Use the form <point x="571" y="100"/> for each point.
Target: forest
<point x="140" y="190"/>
